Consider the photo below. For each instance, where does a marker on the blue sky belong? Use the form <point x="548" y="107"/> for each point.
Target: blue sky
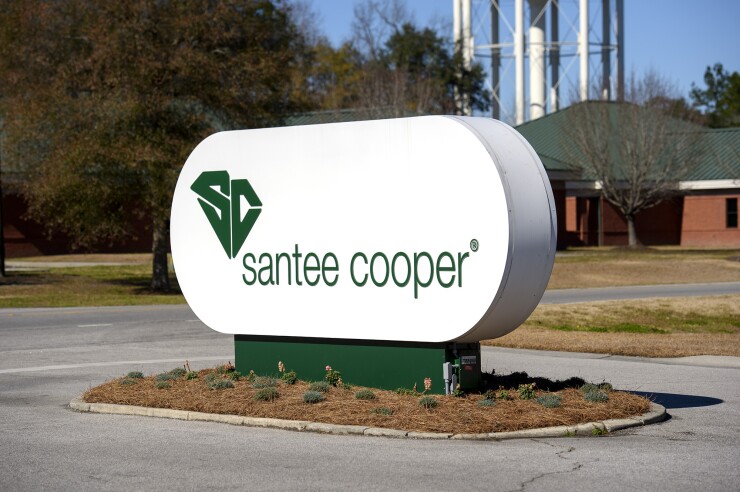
<point x="678" y="38"/>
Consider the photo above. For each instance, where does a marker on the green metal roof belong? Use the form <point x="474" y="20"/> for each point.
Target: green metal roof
<point x="719" y="149"/>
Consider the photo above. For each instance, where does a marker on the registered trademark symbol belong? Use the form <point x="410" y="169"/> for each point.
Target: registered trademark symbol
<point x="474" y="245"/>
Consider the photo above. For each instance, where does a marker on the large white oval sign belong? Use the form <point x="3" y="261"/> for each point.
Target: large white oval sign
<point x="426" y="229"/>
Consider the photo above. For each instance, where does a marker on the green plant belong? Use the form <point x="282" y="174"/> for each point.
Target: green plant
<point x="321" y="386"/>
<point x="347" y="386"/>
<point x="312" y="397"/>
<point x="365" y="394"/>
<point x="162" y="385"/>
<point x="191" y="375"/>
<point x="234" y="375"/>
<point x="289" y="377"/>
<point x="128" y="381"/>
<point x="178" y="372"/>
<point x="381" y="411"/>
<point x="165" y="376"/>
<point x="266" y="394"/>
<point x="526" y="391"/>
<point x="135" y="375"/>
<point x="264" y="382"/>
<point x="458" y="391"/>
<point x="486" y="403"/>
<point x="596" y="396"/>
<point x="489" y="395"/>
<point x="405" y="392"/>
<point x="333" y="377"/>
<point x="596" y="431"/>
<point x="588" y="387"/>
<point x="606" y="387"/>
<point x="428" y="402"/>
<point x="225" y="368"/>
<point x="568" y="434"/>
<point x="251" y="376"/>
<point x="219" y="383"/>
<point x="504" y="395"/>
<point x="549" y="400"/>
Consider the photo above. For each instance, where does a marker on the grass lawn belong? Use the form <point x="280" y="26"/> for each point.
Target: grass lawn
<point x="109" y="285"/>
<point x="669" y="327"/>
<point x="653" y="328"/>
<point x="608" y="267"/>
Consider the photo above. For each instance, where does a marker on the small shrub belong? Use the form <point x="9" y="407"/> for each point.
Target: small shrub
<point x="312" y="397"/>
<point x="234" y="375"/>
<point x="219" y="384"/>
<point x="405" y="392"/>
<point x="458" y="391"/>
<point x="486" y="403"/>
<point x="347" y="386"/>
<point x="526" y="391"/>
<point x="264" y="382"/>
<point x="210" y="377"/>
<point x="381" y="411"/>
<point x="165" y="376"/>
<point x="266" y="394"/>
<point x="596" y="396"/>
<point x="128" y="381"/>
<point x="135" y="375"/>
<point x="178" y="372"/>
<point x="289" y="377"/>
<point x="191" y="375"/>
<point x="549" y="400"/>
<point x="162" y="385"/>
<point x="606" y="387"/>
<point x="251" y="376"/>
<point x="504" y="395"/>
<point x="332" y="377"/>
<point x="321" y="386"/>
<point x="588" y="387"/>
<point x="489" y="395"/>
<point x="226" y="368"/>
<point x="428" y="402"/>
<point x="365" y="394"/>
<point x="598" y="432"/>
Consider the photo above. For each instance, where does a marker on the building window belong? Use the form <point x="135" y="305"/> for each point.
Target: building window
<point x="731" y="216"/>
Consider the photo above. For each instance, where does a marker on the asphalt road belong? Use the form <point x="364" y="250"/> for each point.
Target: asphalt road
<point x="569" y="296"/>
<point x="48" y="356"/>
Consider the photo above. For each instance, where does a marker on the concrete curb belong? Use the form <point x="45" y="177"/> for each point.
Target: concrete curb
<point x="656" y="414"/>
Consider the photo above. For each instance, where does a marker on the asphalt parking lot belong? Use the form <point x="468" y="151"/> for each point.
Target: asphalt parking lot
<point x="50" y="356"/>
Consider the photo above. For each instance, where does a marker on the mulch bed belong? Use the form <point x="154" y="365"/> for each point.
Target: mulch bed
<point x="453" y="414"/>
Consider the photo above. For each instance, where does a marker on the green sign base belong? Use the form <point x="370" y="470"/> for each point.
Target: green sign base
<point x="378" y="364"/>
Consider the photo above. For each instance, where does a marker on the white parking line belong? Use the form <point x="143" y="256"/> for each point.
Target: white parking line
<point x="91" y="326"/>
<point x="104" y="364"/>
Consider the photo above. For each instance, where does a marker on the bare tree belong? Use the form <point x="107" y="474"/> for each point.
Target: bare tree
<point x="634" y="151"/>
<point x="375" y="21"/>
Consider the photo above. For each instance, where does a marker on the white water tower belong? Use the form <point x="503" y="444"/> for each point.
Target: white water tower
<point x="554" y="34"/>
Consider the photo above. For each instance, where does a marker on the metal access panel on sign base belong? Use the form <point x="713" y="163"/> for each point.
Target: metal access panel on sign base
<point x="373" y="363"/>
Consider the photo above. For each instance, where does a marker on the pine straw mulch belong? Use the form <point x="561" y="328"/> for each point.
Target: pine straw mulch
<point x="452" y="415"/>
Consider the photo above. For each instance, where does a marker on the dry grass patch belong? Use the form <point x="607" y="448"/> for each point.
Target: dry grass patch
<point x="670" y="327"/>
<point x="452" y="414"/>
<point x="605" y="267"/>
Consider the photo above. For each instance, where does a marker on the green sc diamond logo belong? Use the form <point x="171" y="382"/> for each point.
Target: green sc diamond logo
<point x="221" y="201"/>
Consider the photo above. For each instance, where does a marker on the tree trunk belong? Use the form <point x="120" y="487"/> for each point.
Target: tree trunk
<point x="160" y="273"/>
<point x="631" y="233"/>
<point x="2" y="232"/>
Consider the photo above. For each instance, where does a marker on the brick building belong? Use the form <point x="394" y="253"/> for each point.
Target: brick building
<point x="704" y="212"/>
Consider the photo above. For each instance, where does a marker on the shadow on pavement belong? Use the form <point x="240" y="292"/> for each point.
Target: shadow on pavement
<point x="673" y="400"/>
